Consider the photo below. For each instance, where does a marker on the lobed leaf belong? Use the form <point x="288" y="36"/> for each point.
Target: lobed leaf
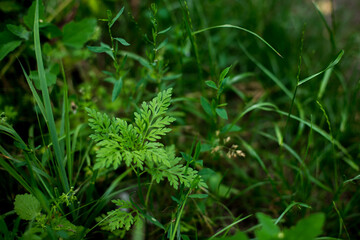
<point x="123" y="217"/>
<point x="27" y="206"/>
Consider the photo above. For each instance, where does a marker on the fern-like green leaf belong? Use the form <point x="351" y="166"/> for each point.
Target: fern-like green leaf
<point x="176" y="173"/>
<point x="119" y="141"/>
<point x="108" y="155"/>
<point x="150" y="123"/>
<point x="99" y="123"/>
<point x="123" y="217"/>
<point x="27" y="206"/>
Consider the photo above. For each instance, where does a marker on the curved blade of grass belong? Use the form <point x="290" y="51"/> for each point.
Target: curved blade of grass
<point x="254" y="154"/>
<point x="265" y="107"/>
<point x="267" y="72"/>
<point x="262" y="105"/>
<point x="327" y="136"/>
<point x="324" y="83"/>
<point x="288" y="209"/>
<point x="287" y="147"/>
<point x="297" y="77"/>
<point x="69" y="156"/>
<point x="47" y="103"/>
<point x="238" y="28"/>
<point x="331" y="65"/>
<point x="8" y="130"/>
<point x="229" y="226"/>
<point x="323" y="19"/>
<point x="352" y="179"/>
<point x="342" y="223"/>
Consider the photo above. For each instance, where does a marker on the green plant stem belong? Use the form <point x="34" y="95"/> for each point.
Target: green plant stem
<point x="141" y="196"/>
<point x="116" y="64"/>
<point x="178" y="218"/>
<point x="58" y="10"/>
<point x="148" y="193"/>
<point x="229" y="226"/>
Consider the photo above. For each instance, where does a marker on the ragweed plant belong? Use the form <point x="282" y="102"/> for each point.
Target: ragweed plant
<point x="136" y="145"/>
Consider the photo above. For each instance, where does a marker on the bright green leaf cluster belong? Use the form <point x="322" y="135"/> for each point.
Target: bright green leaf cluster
<point x="176" y="173"/>
<point x="133" y="144"/>
<point x="136" y="144"/>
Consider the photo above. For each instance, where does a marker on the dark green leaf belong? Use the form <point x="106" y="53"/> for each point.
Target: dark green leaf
<point x="198" y="196"/>
<point x="206" y="106"/>
<point x="306" y="229"/>
<point x="269" y="230"/>
<point x="76" y="34"/>
<point x="184" y="237"/>
<point x="172" y="77"/>
<point x="8" y="42"/>
<point x="50" y="30"/>
<point x="162" y="44"/>
<point x="122" y="41"/>
<point x="19" y="31"/>
<point x="211" y="84"/>
<point x="9" y="6"/>
<point x="165" y="30"/>
<point x="221" y="112"/>
<point x="222" y="105"/>
<point x="103" y="48"/>
<point x="108" y="73"/>
<point x="175" y="200"/>
<point x="110" y="80"/>
<point x="206" y="173"/>
<point x="116" y="17"/>
<point x="50" y="78"/>
<point x="230" y="128"/>
<point x="6" y="48"/>
<point x="223" y="74"/>
<point x="117" y="89"/>
<point x="205" y="147"/>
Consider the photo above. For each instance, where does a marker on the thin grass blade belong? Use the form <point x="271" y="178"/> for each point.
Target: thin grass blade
<point x="331" y="65"/>
<point x="239" y="28"/>
<point x="47" y="103"/>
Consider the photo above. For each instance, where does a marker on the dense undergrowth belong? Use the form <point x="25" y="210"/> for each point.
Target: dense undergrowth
<point x="179" y="120"/>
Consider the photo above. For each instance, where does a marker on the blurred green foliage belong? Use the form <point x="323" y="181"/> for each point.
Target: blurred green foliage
<point x="260" y="140"/>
